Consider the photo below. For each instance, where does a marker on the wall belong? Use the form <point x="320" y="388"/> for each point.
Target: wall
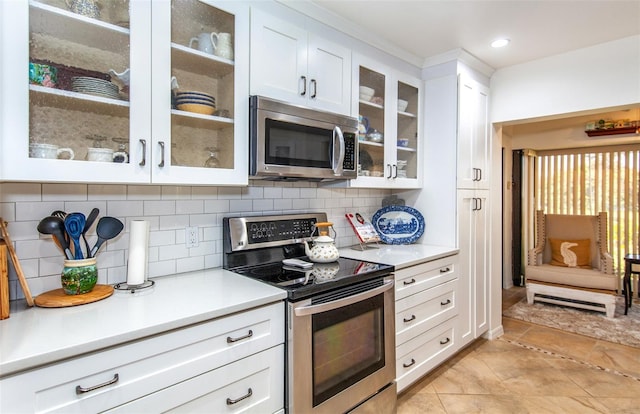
<point x="601" y="76"/>
<point x="170" y="209"/>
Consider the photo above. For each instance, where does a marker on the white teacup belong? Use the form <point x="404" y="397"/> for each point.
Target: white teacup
<point x="206" y="42"/>
<point x="49" y="151"/>
<point x="105" y="155"/>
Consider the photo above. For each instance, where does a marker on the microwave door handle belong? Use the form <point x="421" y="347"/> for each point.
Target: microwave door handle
<point x="338" y="164"/>
<point x="339" y="303"/>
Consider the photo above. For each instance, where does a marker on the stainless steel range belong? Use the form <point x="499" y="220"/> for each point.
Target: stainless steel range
<point x="340" y="340"/>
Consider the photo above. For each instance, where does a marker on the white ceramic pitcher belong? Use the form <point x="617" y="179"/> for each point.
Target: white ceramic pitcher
<point x="223" y="46"/>
<point x="205" y="42"/>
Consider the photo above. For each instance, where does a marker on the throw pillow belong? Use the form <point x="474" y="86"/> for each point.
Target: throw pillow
<point x="571" y="253"/>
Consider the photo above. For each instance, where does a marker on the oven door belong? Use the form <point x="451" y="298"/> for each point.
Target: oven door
<point x="341" y="348"/>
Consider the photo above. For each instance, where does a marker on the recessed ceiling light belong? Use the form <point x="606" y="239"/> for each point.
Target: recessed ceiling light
<point x="500" y="43"/>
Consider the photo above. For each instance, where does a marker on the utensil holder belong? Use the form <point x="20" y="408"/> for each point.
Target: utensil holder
<point x="79" y="276"/>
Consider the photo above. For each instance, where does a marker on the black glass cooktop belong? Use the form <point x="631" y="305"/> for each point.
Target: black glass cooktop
<point x="322" y="277"/>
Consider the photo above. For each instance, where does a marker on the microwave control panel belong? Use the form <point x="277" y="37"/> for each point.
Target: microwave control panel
<point x="349" y="162"/>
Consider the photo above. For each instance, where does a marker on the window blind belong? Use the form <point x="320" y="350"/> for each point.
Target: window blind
<point x="590" y="180"/>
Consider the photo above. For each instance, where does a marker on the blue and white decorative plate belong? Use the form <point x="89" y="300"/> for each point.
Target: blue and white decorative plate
<point x="398" y="224"/>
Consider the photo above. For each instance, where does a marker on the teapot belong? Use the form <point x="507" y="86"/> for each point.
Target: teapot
<point x="324" y="250"/>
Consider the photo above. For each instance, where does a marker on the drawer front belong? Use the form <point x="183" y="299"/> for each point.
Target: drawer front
<point x="252" y="385"/>
<point x="414" y="279"/>
<point x="420" y="312"/>
<point x="424" y="352"/>
<point x="143" y="366"/>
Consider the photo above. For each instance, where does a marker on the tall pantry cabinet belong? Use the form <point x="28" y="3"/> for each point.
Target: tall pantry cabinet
<point x="458" y="187"/>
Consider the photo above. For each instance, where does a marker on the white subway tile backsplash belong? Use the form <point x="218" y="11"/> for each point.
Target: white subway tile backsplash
<point x="120" y="209"/>
<point x="169" y="209"/>
<point x="64" y="192"/>
<point x="159" y="208"/>
<point x="106" y="192"/>
<point x="36" y="211"/>
<point x="16" y="192"/>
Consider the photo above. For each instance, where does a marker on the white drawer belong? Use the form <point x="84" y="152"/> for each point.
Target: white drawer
<point x="252" y="385"/>
<point x="418" y="313"/>
<point x="424" y="352"/>
<point x="144" y="366"/>
<point x="424" y="276"/>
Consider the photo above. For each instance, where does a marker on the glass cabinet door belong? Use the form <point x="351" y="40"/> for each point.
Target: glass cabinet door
<point x="199" y="91"/>
<point x="79" y="66"/>
<point x="371" y="104"/>
<point x="407" y="136"/>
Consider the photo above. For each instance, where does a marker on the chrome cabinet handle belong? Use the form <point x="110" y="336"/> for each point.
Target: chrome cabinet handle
<point x="315" y="88"/>
<point x="82" y="390"/>
<point x="161" y="143"/>
<point x="390" y="171"/>
<point x="445" y="303"/>
<point x="413" y="361"/>
<point x="231" y="340"/>
<point x="409" y="319"/>
<point x="237" y="400"/>
<point x="304" y="85"/>
<point x="409" y="282"/>
<point x="144" y="153"/>
<point x="445" y="341"/>
<point x="445" y="270"/>
<point x="395" y="171"/>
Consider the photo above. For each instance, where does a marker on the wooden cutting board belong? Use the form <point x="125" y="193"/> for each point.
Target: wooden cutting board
<point x="58" y="299"/>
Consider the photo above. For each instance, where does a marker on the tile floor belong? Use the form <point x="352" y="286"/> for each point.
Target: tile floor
<point x="531" y="369"/>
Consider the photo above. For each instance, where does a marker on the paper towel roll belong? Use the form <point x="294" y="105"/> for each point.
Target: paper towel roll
<point x="138" y="252"/>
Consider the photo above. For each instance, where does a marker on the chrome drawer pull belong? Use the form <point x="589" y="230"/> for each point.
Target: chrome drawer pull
<point x="445" y="270"/>
<point x="413" y="361"/>
<point x="410" y="282"/>
<point x="161" y="164"/>
<point x="445" y="303"/>
<point x="446" y="341"/>
<point x="232" y="340"/>
<point x="410" y="319"/>
<point x="237" y="400"/>
<point x="82" y="390"/>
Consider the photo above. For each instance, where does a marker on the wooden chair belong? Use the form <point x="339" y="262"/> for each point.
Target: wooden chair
<point x="591" y="286"/>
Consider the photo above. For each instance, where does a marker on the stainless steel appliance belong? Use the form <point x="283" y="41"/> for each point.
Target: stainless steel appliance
<point x="289" y="141"/>
<point x="340" y="340"/>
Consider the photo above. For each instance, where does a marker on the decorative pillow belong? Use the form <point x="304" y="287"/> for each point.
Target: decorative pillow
<point x="571" y="253"/>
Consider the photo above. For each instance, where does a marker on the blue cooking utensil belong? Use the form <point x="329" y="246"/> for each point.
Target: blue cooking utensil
<point x="74" y="224"/>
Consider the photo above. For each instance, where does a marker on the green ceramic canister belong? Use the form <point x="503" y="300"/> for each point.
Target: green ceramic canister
<point x="79" y="276"/>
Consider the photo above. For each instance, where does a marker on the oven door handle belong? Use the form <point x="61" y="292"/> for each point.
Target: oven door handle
<point x="349" y="300"/>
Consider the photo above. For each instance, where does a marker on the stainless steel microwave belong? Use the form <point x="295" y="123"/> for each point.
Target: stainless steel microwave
<point x="295" y="142"/>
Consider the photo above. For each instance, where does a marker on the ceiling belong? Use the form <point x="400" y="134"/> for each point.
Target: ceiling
<point x="427" y="28"/>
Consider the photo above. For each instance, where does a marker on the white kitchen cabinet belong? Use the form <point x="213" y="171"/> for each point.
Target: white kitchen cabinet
<point x="473" y="134"/>
<point x="427" y="306"/>
<point x="164" y="145"/>
<point x="294" y="65"/>
<point x="474" y="231"/>
<point x="394" y="161"/>
<point x="193" y="368"/>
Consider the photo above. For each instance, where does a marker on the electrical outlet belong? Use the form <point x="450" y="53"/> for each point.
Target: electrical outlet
<point x="191" y="237"/>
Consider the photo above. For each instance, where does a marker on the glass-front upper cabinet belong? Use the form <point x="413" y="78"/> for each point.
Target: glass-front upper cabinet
<point x="388" y="109"/>
<point x="122" y="91"/>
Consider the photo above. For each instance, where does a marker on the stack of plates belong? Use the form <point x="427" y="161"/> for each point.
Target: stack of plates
<point x="198" y="102"/>
<point x="94" y="86"/>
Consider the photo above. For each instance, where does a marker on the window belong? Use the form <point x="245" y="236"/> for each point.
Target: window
<point x="590" y="180"/>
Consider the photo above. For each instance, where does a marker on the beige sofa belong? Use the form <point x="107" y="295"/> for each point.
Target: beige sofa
<point x="590" y="286"/>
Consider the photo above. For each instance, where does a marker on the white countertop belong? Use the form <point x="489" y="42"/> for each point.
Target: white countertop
<point x="34" y="336"/>
<point x="400" y="256"/>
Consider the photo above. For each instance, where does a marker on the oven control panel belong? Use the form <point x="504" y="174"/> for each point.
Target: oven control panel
<point x="242" y="233"/>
